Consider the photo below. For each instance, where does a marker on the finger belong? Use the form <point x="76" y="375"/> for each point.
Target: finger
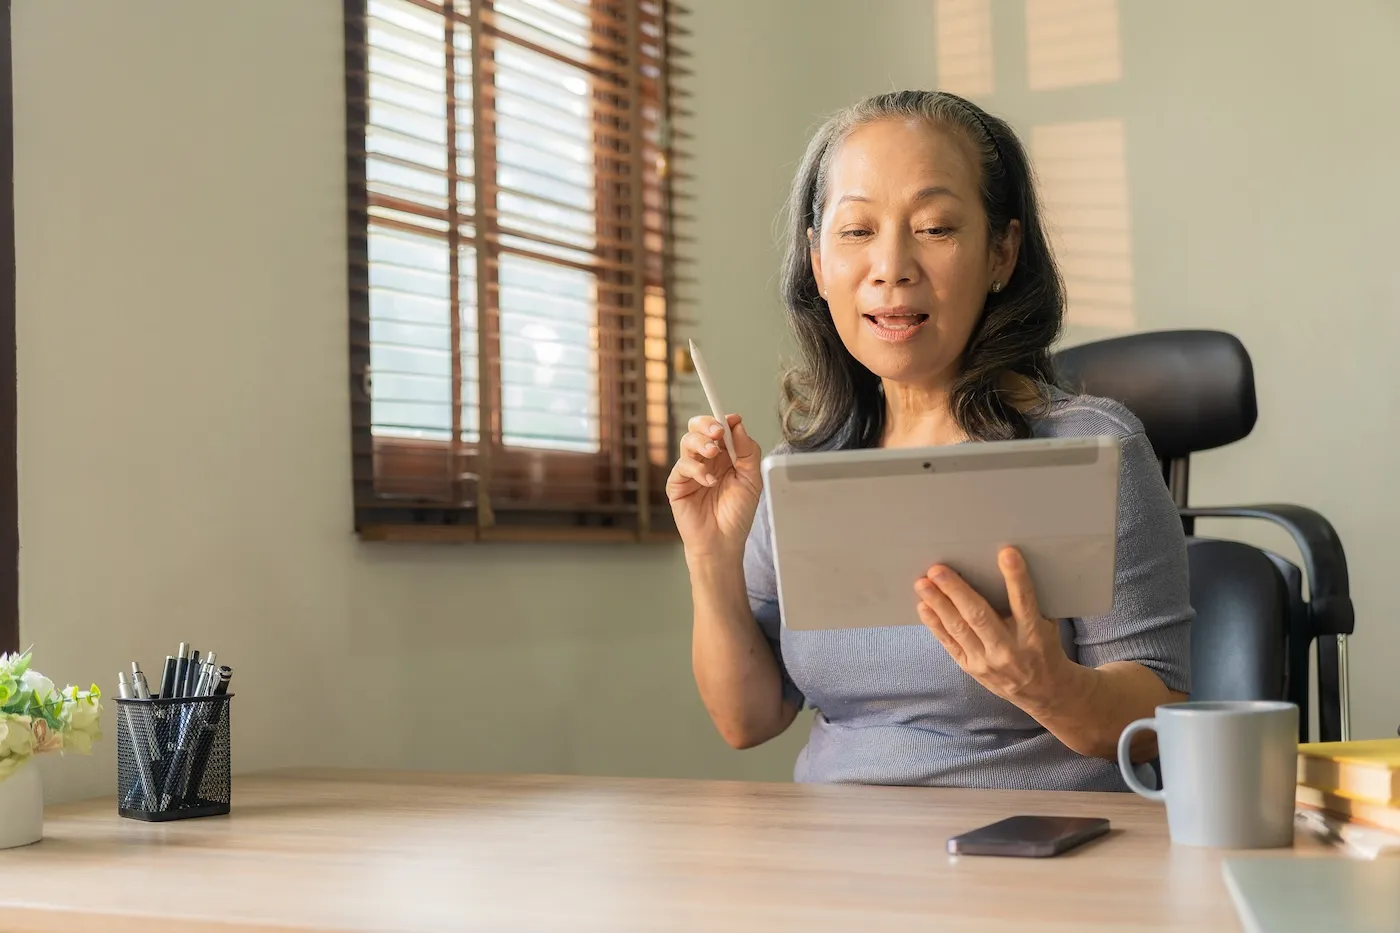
<point x="935" y="625"/>
<point x="689" y="474"/>
<point x="975" y="610"/>
<point x="699" y="446"/>
<point x="1020" y="591"/>
<point x="950" y="619"/>
<point x="717" y="432"/>
<point x="747" y="455"/>
<point x="706" y="425"/>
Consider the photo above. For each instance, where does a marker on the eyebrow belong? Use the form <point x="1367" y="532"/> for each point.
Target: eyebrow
<point x="934" y="191"/>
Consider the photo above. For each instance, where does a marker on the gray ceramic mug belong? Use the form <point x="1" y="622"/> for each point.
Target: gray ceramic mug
<point x="1229" y="771"/>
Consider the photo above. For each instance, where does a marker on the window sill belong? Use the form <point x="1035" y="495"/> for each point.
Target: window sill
<point x="467" y="534"/>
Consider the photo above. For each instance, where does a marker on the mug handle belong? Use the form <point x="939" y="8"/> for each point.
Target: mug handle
<point x="1125" y="761"/>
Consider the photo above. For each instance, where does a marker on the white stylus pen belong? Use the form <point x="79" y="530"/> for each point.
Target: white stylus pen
<point x="713" y="399"/>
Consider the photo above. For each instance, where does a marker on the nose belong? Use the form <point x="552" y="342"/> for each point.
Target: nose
<point x="892" y="259"/>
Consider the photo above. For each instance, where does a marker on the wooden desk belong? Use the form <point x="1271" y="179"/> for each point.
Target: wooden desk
<point x="354" y="851"/>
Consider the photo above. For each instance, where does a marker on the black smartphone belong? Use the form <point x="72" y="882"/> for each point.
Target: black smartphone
<point x="1028" y="836"/>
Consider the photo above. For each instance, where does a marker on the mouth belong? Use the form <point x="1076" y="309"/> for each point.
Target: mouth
<point x="895" y="324"/>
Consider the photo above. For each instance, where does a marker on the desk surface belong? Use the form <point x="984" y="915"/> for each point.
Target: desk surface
<point x="357" y="851"/>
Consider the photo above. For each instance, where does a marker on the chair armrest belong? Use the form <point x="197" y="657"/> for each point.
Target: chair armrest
<point x="1324" y="559"/>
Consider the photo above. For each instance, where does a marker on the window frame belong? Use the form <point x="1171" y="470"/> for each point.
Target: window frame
<point x="9" y="436"/>
<point x="422" y="490"/>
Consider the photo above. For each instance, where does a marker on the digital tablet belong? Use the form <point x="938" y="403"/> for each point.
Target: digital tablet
<point x="854" y="529"/>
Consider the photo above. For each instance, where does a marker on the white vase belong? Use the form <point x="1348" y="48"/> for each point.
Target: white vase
<point x="21" y="807"/>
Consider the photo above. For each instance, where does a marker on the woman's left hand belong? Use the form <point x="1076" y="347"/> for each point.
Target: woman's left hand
<point x="1018" y="658"/>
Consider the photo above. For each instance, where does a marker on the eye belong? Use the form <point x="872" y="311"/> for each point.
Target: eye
<point x="854" y="234"/>
<point x="937" y="231"/>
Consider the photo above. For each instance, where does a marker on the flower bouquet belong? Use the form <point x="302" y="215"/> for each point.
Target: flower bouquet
<point x="36" y="717"/>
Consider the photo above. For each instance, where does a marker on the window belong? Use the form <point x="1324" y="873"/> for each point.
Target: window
<point x="511" y="267"/>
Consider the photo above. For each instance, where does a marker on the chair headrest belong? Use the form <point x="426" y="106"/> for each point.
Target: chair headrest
<point x="1193" y="390"/>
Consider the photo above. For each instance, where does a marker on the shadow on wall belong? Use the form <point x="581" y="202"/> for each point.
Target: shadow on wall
<point x="1082" y="165"/>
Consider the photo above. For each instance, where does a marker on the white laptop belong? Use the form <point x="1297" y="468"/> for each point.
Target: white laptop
<point x="1285" y="893"/>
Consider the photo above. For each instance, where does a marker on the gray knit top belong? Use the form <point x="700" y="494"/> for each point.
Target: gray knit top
<point x="893" y="708"/>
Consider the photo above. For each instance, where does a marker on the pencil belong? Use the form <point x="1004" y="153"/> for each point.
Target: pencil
<point x="715" y="408"/>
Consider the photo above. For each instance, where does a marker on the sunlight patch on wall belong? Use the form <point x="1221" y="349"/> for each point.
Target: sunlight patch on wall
<point x="1084" y="185"/>
<point x="1070" y="43"/>
<point x="963" y="30"/>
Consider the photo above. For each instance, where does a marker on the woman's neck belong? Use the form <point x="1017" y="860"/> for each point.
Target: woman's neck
<point x="922" y="415"/>
<point x="919" y="416"/>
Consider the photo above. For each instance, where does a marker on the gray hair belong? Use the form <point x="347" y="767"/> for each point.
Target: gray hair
<point x="829" y="398"/>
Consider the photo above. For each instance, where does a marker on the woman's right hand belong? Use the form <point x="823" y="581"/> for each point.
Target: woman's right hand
<point x="714" y="496"/>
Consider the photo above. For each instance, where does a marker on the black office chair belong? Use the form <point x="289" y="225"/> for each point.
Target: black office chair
<point x="1193" y="390"/>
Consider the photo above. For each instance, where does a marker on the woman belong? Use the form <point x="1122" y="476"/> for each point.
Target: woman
<point x="924" y="300"/>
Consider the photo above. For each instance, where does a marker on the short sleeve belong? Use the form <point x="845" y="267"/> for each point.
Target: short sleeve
<point x="762" y="581"/>
<point x="1151" y="618"/>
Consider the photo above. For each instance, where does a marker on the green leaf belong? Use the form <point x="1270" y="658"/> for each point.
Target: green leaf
<point x="20" y="700"/>
<point x="53" y="713"/>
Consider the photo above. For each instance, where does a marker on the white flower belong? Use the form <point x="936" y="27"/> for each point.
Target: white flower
<point x="44" y="692"/>
<point x="84" y="713"/>
<point x="16" y="736"/>
<point x="16" y="743"/>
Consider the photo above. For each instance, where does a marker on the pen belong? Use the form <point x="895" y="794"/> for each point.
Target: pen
<point x="192" y="674"/>
<point x="208" y="728"/>
<point x="183" y="723"/>
<point x="207" y="672"/>
<point x="143" y="766"/>
<point x="709" y="387"/>
<point x="182" y="664"/>
<point x="138" y="682"/>
<point x="177" y="727"/>
<point x="156" y="720"/>
<point x="167" y="679"/>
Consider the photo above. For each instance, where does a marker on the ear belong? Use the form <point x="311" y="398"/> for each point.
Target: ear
<point x="816" y="262"/>
<point x="1005" y="249"/>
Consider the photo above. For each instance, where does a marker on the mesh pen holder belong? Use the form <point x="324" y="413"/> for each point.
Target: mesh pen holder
<point x="173" y="757"/>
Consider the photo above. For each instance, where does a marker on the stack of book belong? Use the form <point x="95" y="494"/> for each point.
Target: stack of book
<point x="1353" y="790"/>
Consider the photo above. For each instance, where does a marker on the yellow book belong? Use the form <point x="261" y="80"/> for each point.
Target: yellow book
<point x="1367" y="770"/>
<point x="1357" y="810"/>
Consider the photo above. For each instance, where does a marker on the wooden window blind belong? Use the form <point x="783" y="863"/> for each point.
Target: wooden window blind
<point x="512" y="267"/>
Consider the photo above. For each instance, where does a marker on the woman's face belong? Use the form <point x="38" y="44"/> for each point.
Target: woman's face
<point x="904" y="259"/>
